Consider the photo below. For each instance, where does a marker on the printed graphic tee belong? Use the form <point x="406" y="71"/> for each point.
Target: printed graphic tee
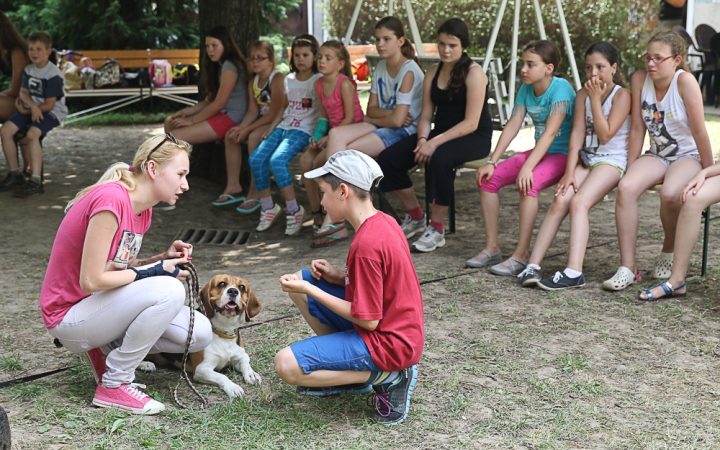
<point x="46" y="83"/>
<point x="61" y="288"/>
<point x="302" y="112"/>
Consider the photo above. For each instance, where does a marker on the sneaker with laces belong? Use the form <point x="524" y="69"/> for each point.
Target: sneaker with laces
<point x="351" y="389"/>
<point x="392" y="400"/>
<point x="530" y="276"/>
<point x="268" y="217"/>
<point x="294" y="222"/>
<point x="561" y="281"/>
<point x="429" y="241"/>
<point x="411" y="227"/>
<point x="128" y="398"/>
<point x="11" y="181"/>
<point x="96" y="358"/>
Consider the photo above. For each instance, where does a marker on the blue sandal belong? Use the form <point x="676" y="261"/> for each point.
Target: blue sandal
<point x="230" y="199"/>
<point x="667" y="287"/>
<point x="328" y="229"/>
<point x="251" y="209"/>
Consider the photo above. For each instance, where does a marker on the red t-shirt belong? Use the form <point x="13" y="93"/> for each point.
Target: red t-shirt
<point x="382" y="285"/>
<point x="61" y="288"/>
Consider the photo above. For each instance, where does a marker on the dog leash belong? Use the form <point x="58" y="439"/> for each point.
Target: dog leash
<point x="193" y="289"/>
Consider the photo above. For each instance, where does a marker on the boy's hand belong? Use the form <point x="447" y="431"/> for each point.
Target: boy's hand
<point x="37" y="115"/>
<point x="319" y="268"/>
<point x="291" y="283"/>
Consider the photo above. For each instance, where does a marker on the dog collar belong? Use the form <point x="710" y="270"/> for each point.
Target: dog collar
<point x="223" y="334"/>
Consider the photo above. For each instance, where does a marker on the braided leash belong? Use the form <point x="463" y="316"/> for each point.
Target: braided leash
<point x="193" y="289"/>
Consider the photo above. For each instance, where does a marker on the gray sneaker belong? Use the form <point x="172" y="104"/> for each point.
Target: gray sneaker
<point x="429" y="241"/>
<point x="530" y="276"/>
<point x="411" y="227"/>
<point x="392" y="400"/>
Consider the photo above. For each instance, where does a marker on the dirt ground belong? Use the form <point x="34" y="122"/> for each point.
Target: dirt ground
<point x="504" y="367"/>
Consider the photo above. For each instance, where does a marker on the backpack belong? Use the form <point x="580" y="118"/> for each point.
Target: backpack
<point x="186" y="74"/>
<point x="138" y="79"/>
<point x="108" y="74"/>
<point x="72" y="76"/>
<point x="161" y="72"/>
<point x="87" y="73"/>
<point x="360" y="69"/>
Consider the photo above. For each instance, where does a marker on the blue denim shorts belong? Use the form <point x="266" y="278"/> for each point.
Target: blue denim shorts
<point x="48" y="122"/>
<point x="342" y="350"/>
<point x="389" y="136"/>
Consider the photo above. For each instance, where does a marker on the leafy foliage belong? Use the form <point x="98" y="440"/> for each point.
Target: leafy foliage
<point x="620" y="22"/>
<point x="109" y="24"/>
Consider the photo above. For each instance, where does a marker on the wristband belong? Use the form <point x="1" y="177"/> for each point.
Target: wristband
<point x="422" y="137"/>
<point x="321" y="129"/>
<point x="154" y="270"/>
<point x="490" y="161"/>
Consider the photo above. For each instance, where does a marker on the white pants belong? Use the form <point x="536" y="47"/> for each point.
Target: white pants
<point x="146" y="316"/>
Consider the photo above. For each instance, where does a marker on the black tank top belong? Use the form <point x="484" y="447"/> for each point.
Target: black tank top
<point x="450" y="112"/>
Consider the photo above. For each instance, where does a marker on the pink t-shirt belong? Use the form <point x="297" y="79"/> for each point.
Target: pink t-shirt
<point x="334" y="104"/>
<point x="61" y="288"/>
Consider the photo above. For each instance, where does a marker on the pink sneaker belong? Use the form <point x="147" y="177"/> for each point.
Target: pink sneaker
<point x="127" y="398"/>
<point x="96" y="358"/>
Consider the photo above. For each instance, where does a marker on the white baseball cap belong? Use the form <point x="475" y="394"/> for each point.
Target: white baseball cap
<point x="351" y="166"/>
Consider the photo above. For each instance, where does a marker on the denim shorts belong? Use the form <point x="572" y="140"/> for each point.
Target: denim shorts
<point x="342" y="350"/>
<point x="48" y="122"/>
<point x="668" y="162"/>
<point x="389" y="136"/>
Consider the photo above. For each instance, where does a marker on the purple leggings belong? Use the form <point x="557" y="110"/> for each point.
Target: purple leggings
<point x="547" y="173"/>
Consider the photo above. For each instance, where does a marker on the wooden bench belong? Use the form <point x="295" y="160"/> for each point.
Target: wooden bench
<point x="134" y="59"/>
<point x="140" y="59"/>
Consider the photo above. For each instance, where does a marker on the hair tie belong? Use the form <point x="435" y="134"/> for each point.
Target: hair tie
<point x="130" y="168"/>
<point x="341" y="47"/>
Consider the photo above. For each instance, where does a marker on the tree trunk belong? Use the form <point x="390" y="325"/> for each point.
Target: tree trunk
<point x="241" y="17"/>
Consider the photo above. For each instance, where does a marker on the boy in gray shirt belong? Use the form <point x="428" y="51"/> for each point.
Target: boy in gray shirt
<point x="41" y="107"/>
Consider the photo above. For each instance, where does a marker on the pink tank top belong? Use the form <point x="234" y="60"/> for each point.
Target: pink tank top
<point x="334" y="104"/>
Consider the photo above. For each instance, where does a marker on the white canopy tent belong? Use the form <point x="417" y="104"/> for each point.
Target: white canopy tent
<point x="493" y="36"/>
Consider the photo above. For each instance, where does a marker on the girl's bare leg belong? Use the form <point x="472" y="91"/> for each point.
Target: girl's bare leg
<point x="601" y="180"/>
<point x="644" y="173"/>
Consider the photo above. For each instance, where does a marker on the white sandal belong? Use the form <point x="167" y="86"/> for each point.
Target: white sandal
<point x="623" y="278"/>
<point x="663" y="267"/>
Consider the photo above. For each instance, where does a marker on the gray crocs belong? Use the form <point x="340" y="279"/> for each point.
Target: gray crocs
<point x="516" y="266"/>
<point x="491" y="259"/>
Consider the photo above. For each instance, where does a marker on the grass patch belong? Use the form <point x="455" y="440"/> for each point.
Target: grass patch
<point x="11" y="364"/>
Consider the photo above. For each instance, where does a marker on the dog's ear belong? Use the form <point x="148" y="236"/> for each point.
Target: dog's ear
<point x="205" y="299"/>
<point x="253" y="307"/>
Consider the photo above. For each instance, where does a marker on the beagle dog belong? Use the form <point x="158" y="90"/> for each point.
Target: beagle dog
<point x="226" y="299"/>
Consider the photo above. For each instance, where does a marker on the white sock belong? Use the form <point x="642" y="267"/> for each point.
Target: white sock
<point x="533" y="266"/>
<point x="572" y="273"/>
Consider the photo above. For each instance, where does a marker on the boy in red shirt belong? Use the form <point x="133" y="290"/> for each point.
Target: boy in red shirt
<point x="369" y="320"/>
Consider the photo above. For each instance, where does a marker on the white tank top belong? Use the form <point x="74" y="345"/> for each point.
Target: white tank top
<point x="667" y="121"/>
<point x="613" y="151"/>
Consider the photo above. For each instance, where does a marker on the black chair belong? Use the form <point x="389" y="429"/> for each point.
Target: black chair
<point x="715" y="48"/>
<point x="690" y="43"/>
<point x="703" y="34"/>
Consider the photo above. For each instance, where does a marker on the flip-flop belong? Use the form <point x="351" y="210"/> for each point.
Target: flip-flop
<point x="335" y="239"/>
<point x="230" y="200"/>
<point x="251" y="209"/>
<point x="329" y="229"/>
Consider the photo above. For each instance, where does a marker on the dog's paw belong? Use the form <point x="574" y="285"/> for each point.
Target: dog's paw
<point x="252" y="377"/>
<point x="233" y="390"/>
<point x="146" y="366"/>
